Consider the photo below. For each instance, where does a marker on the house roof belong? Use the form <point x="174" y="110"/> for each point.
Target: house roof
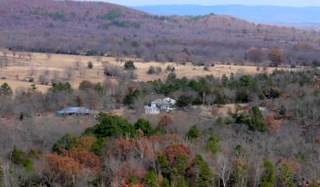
<point x="165" y="101"/>
<point x="74" y="110"/>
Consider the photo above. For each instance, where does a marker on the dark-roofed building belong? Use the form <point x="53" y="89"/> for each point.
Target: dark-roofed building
<point x="78" y="111"/>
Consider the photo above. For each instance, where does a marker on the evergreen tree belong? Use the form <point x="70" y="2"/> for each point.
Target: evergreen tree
<point x="286" y="175"/>
<point x="193" y="133"/>
<point x="151" y="179"/>
<point x="203" y="175"/>
<point x="256" y="121"/>
<point x="213" y="144"/>
<point x="268" y="178"/>
<point x="5" y="90"/>
<point x="145" y="126"/>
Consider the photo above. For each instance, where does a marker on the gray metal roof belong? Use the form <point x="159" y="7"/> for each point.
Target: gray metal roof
<point x="74" y="110"/>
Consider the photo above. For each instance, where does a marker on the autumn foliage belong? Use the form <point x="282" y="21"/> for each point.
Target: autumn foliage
<point x="273" y="124"/>
<point x="73" y="162"/>
<point x="86" y="159"/>
<point x="176" y="150"/>
<point x="62" y="165"/>
<point x="165" y="121"/>
<point x="85" y="143"/>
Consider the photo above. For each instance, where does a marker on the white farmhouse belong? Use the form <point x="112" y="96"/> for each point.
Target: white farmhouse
<point x="160" y="105"/>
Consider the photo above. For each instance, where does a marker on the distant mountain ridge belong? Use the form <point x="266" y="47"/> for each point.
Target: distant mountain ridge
<point x="260" y="14"/>
<point x="96" y="28"/>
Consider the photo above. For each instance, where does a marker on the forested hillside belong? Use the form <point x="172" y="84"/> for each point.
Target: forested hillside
<point x="270" y="139"/>
<point x="94" y="28"/>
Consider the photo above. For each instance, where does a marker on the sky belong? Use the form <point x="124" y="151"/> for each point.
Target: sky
<point x="216" y="2"/>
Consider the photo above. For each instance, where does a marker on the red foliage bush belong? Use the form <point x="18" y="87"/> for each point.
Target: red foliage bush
<point x="176" y="150"/>
<point x="273" y="124"/>
<point x="86" y="159"/>
<point x="121" y="147"/>
<point x="131" y="168"/>
<point x="85" y="143"/>
<point x="165" y="121"/>
<point x="62" y="165"/>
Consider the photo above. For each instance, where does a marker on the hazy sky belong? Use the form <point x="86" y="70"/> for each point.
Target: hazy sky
<point x="214" y="2"/>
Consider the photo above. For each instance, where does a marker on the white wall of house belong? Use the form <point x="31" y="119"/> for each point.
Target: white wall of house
<point x="153" y="109"/>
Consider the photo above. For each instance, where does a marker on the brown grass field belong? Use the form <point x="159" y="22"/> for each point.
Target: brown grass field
<point x="72" y="68"/>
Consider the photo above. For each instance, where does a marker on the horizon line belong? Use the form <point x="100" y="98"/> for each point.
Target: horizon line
<point x="244" y="5"/>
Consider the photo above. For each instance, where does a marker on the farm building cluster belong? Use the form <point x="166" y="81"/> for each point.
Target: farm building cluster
<point x="155" y="107"/>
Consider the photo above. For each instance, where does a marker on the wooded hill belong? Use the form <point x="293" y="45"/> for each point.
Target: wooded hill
<point x="96" y="28"/>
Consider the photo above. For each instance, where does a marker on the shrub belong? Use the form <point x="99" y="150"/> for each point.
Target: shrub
<point x="165" y="183"/>
<point x="86" y="159"/>
<point x="170" y="69"/>
<point x="97" y="146"/>
<point x="84" y="143"/>
<point x="286" y="175"/>
<point x="154" y="70"/>
<point x="246" y="81"/>
<point x="254" y="119"/>
<point x="61" y="87"/>
<point x="268" y="178"/>
<point x="163" y="124"/>
<point x="193" y="133"/>
<point x="174" y="151"/>
<point x="242" y="96"/>
<point x="112" y="71"/>
<point x="5" y="90"/>
<point x="276" y="56"/>
<point x="213" y="144"/>
<point x="164" y="165"/>
<point x="21" y="158"/>
<point x="240" y="173"/>
<point x="111" y="126"/>
<point x="181" y="181"/>
<point x="129" y="65"/>
<point x="86" y="85"/>
<point x="151" y="179"/>
<point x="144" y="126"/>
<point x="63" y="165"/>
<point x="131" y="97"/>
<point x="224" y="120"/>
<point x="64" y="143"/>
<point x="272" y="93"/>
<point x="184" y="101"/>
<point x="90" y="65"/>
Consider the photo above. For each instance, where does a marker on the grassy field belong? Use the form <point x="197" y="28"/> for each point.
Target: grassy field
<point x="22" y="66"/>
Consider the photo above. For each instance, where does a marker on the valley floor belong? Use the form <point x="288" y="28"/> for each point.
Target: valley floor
<point x="43" y="68"/>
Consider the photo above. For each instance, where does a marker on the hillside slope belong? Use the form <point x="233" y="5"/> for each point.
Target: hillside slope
<point x="98" y="28"/>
